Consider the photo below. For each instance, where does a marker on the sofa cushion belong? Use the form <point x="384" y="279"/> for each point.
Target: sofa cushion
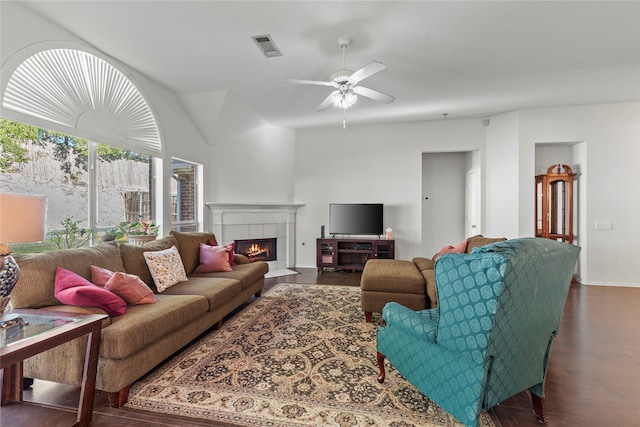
<point x="166" y="267"/>
<point x="36" y="286"/>
<point x="133" y="258"/>
<point x="217" y="291"/>
<point x="246" y="274"/>
<point x="142" y="325"/>
<point x="73" y="289"/>
<point x="213" y="258"/>
<point x="189" y="247"/>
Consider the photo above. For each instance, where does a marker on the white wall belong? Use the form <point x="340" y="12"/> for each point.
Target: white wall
<point x="500" y="183"/>
<point x="255" y="167"/>
<point x="371" y="164"/>
<point x="609" y="183"/>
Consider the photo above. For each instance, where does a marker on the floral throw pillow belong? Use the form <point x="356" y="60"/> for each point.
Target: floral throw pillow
<point x="166" y="268"/>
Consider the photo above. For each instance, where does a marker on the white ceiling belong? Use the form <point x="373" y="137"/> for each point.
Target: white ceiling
<point x="462" y="58"/>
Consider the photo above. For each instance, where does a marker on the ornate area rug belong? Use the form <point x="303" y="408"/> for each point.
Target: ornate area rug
<point x="300" y="355"/>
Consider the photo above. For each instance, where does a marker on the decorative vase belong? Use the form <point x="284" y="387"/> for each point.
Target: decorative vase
<point x="9" y="275"/>
<point x="140" y="239"/>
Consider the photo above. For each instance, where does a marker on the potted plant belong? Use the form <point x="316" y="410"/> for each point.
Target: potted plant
<point x="112" y="234"/>
<point x="138" y="232"/>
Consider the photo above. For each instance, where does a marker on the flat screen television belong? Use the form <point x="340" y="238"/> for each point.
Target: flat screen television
<point x="356" y="218"/>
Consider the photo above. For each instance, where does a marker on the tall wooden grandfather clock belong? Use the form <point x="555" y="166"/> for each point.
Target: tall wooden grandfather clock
<point x="554" y="204"/>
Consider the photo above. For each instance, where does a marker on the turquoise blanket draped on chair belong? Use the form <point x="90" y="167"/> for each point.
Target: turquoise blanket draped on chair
<point x="490" y="337"/>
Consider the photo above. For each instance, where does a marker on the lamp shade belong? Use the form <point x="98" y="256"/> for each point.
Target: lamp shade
<point x="22" y="217"/>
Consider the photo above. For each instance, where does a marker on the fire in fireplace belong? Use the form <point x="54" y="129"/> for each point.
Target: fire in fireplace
<point x="257" y="249"/>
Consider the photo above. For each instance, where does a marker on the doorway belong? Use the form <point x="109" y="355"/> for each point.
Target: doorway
<point x="450" y="198"/>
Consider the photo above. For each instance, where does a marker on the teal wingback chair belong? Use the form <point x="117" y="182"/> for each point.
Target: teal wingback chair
<point x="490" y="337"/>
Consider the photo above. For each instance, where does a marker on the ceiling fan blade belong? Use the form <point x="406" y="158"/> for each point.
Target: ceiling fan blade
<point x="311" y="82"/>
<point x="374" y="94"/>
<point x="366" y="71"/>
<point x="327" y="102"/>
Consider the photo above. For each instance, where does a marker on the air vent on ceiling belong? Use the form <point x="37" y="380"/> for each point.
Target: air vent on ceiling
<point x="266" y="45"/>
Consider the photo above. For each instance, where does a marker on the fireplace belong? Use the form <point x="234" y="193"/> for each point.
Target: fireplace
<point x="236" y="221"/>
<point x="258" y="249"/>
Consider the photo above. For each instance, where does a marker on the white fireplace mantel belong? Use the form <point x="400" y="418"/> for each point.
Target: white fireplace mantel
<point x="214" y="206"/>
<point x="238" y="221"/>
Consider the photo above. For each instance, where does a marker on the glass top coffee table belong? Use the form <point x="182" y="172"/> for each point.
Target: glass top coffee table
<point x="40" y="331"/>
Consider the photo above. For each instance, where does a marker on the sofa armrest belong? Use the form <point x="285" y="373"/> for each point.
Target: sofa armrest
<point x="424" y="263"/>
<point x="240" y="259"/>
<point x="426" y="267"/>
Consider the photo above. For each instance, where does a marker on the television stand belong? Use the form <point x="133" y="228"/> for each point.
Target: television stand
<point x="351" y="254"/>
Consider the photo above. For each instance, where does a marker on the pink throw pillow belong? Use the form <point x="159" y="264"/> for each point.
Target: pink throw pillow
<point x="458" y="248"/>
<point x="130" y="288"/>
<point x="213" y="258"/>
<point x="73" y="289"/>
<point x="100" y="276"/>
<point x="231" y="248"/>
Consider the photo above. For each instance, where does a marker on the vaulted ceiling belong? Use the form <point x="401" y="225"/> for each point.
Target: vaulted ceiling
<point x="459" y="58"/>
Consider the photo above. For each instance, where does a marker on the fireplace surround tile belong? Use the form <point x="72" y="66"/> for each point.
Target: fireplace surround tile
<point x="238" y="221"/>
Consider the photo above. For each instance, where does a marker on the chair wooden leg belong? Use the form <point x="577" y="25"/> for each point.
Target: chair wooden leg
<point x="381" y="376"/>
<point x="119" y="398"/>
<point x="539" y="408"/>
<point x="368" y="316"/>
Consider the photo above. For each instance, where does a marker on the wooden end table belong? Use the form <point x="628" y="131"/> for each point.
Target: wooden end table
<point x="44" y="330"/>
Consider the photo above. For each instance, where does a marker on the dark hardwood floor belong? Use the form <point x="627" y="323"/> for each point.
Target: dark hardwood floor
<point x="593" y="378"/>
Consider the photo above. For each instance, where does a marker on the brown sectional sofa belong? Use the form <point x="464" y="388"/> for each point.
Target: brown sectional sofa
<point x="410" y="283"/>
<point x="139" y="340"/>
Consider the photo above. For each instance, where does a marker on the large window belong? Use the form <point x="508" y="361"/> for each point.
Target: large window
<point x="90" y="187"/>
<point x="184" y="195"/>
<point x="91" y="184"/>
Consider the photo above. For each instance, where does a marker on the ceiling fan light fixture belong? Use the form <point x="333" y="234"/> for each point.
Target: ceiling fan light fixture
<point x="344" y="100"/>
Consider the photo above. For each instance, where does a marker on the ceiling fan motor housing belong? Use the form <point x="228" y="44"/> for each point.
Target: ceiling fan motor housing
<point x="344" y="41"/>
<point x="341" y="76"/>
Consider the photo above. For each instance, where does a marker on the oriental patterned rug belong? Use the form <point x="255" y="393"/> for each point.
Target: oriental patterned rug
<point x="300" y="355"/>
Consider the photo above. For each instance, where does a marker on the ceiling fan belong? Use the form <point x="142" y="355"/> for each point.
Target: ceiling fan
<point x="346" y="82"/>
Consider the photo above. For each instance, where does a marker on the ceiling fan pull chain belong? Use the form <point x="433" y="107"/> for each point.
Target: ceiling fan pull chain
<point x="344" y="118"/>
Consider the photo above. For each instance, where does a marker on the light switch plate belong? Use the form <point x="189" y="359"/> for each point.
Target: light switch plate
<point x="603" y="225"/>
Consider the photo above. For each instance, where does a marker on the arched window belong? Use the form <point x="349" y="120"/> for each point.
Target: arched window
<point x="81" y="91"/>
